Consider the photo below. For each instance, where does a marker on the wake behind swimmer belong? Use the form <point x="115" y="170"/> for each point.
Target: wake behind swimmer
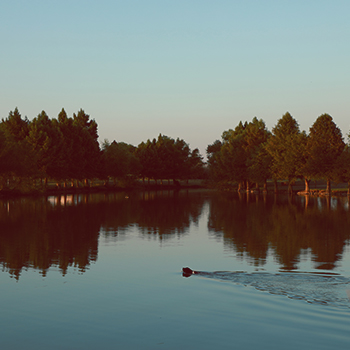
<point x="315" y="288"/>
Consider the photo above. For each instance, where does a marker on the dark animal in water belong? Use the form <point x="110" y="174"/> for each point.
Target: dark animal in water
<point x="187" y="272"/>
<point x="315" y="288"/>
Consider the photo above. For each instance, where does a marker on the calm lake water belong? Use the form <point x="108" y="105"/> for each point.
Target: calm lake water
<point x="103" y="271"/>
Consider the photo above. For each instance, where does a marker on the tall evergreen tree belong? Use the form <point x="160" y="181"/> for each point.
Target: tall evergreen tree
<point x="46" y="141"/>
<point x="20" y="162"/>
<point x="325" y="145"/>
<point x="86" y="130"/>
<point x="282" y="146"/>
<point x="258" y="160"/>
<point x="15" y="126"/>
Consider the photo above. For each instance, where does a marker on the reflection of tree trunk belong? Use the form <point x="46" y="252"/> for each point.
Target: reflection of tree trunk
<point x="265" y="196"/>
<point x="290" y="187"/>
<point x="328" y="189"/>
<point x="239" y="186"/>
<point x="306" y="201"/>
<point x="248" y="188"/>
<point x="257" y="187"/>
<point x="307" y="185"/>
<point x="265" y="186"/>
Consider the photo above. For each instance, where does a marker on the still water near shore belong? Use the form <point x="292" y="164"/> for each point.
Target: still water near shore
<point x="104" y="271"/>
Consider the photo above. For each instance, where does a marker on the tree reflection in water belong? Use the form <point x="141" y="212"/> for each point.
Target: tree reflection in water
<point x="290" y="227"/>
<point x="64" y="231"/>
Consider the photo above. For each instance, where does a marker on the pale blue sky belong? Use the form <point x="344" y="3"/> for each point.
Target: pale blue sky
<point x="188" y="69"/>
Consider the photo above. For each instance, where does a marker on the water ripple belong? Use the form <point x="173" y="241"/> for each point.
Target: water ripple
<point x="313" y="288"/>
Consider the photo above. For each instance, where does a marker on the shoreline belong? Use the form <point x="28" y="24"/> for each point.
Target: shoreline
<point x="14" y="193"/>
<point x="338" y="190"/>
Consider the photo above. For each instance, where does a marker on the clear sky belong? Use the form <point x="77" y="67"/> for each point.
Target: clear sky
<point x="188" y="69"/>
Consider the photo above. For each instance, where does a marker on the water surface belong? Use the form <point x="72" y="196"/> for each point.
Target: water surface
<point x="104" y="271"/>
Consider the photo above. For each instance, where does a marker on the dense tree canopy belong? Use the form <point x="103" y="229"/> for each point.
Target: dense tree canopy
<point x="240" y="156"/>
<point x="120" y="160"/>
<point x="250" y="153"/>
<point x="284" y="150"/>
<point x="17" y="160"/>
<point x="66" y="149"/>
<point x="325" y="145"/>
<point x="166" y="158"/>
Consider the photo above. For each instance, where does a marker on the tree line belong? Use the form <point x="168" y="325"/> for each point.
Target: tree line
<point x="66" y="149"/>
<point x="250" y="154"/>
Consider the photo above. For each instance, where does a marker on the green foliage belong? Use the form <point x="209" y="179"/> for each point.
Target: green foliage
<point x="15" y="126"/>
<point x="119" y="160"/>
<point x="325" y="145"/>
<point x="241" y="155"/>
<point x="16" y="157"/>
<point x="67" y="149"/>
<point x="166" y="158"/>
<point x="46" y="141"/>
<point x="214" y="160"/>
<point x="284" y="149"/>
<point x="80" y="155"/>
<point x="342" y="168"/>
<point x="6" y="155"/>
<point x="233" y="158"/>
<point x="249" y="153"/>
